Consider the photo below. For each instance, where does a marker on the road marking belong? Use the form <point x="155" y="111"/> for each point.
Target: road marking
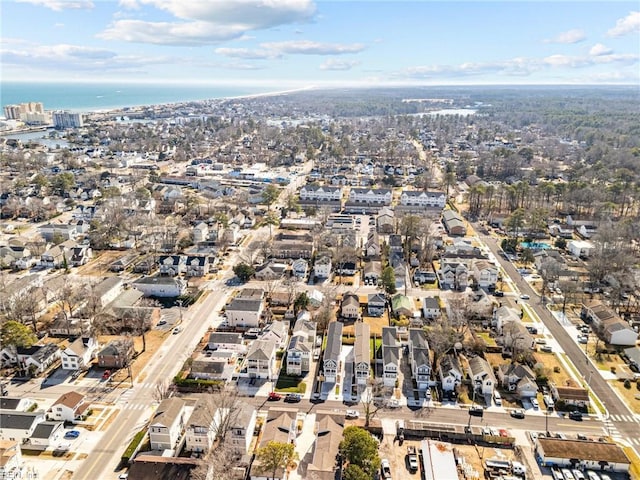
<point x="583" y="426"/>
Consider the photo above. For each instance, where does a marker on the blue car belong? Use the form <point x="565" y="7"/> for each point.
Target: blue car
<point x="72" y="434"/>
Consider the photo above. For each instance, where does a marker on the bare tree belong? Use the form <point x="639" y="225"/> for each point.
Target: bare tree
<point x="217" y="464"/>
<point x="370" y="400"/>
<point x="69" y="298"/>
<point x="162" y="390"/>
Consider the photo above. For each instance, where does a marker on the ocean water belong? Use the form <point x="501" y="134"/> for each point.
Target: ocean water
<point x="89" y="97"/>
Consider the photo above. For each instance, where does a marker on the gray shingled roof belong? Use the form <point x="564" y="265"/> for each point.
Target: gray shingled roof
<point x="334" y="341"/>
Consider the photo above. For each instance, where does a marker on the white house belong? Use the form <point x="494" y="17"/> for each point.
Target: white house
<point x="362" y="354"/>
<point x="11" y="455"/>
<point x="390" y="356"/>
<point x="331" y="359"/>
<point x="580" y="248"/>
<point x="161" y="286"/>
<point x="226" y="341"/>
<point x="79" y="353"/>
<point x="200" y="429"/>
<point x="260" y="360"/>
<point x="431" y="308"/>
<point x="18" y="426"/>
<point x="200" y="232"/>
<point x="241" y="430"/>
<point x="423" y="199"/>
<point x="69" y="407"/>
<point x="350" y="307"/>
<point x="167" y="424"/>
<point x="419" y="358"/>
<point x="322" y="267"/>
<point x="300" y="268"/>
<point x="319" y="194"/>
<point x="46" y="434"/>
<point x="485" y="274"/>
<point x="454" y="275"/>
<point x="482" y="375"/>
<point x="300" y="347"/>
<point x="380" y="196"/>
<point x="450" y="372"/>
<point x="245" y="310"/>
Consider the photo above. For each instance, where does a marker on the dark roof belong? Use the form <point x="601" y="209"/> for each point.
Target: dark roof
<point x="18" y="420"/>
<point x="9" y="403"/>
<point x="583" y="450"/>
<point x="39" y="353"/>
<point x="149" y="467"/>
<point x="334" y="341"/>
<point x="45" y="429"/>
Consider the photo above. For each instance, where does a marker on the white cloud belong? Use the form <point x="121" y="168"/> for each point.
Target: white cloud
<point x="307" y="47"/>
<point x="59" y="5"/>
<point x="204" y="22"/>
<point x="339" y="64"/>
<point x="129" y="4"/>
<point x="599" y="49"/>
<point x="570" y="36"/>
<point x="247" y="53"/>
<point x="626" y="25"/>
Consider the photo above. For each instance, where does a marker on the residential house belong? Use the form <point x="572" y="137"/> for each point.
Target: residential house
<point x="80" y="255"/>
<point x="46" y="435"/>
<point x="172" y="265"/>
<point x="453" y="223"/>
<point x="145" y="266"/>
<point x="390" y="356"/>
<point x="350" y="306"/>
<point x="167" y="424"/>
<point x="362" y="354"/>
<point x="271" y="271"/>
<point x="602" y="456"/>
<point x="292" y="245"/>
<point x="328" y="430"/>
<point x="418" y="201"/>
<point x="376" y="304"/>
<point x="200" y="233"/>
<point x="58" y="232"/>
<point x="485" y="274"/>
<point x="482" y="376"/>
<point x="396" y="246"/>
<point x="419" y="358"/>
<point x="503" y="315"/>
<point x="322" y="267"/>
<point x="218" y="366"/>
<point x="260" y="360"/>
<point x="372" y="272"/>
<point x="116" y="354"/>
<point x="386" y="221"/>
<point x="424" y="276"/>
<point x="200" y="428"/>
<point x="227" y="341"/>
<point x="241" y="429"/>
<point x="55" y="257"/>
<point x="402" y="305"/>
<point x="245" y="310"/>
<point x="279" y="427"/>
<point x="515" y="337"/>
<point x="196" y="266"/>
<point x="278" y="332"/>
<point x="608" y="324"/>
<point x="300" y="268"/>
<point x="372" y="246"/>
<point x="107" y="291"/>
<point x="431" y="308"/>
<point x="321" y="197"/>
<point x="18" y="426"/>
<point x="518" y="379"/>
<point x="69" y="407"/>
<point x="36" y="358"/>
<point x="301" y="347"/>
<point x="453" y="275"/>
<point x="18" y="404"/>
<point x="121" y="264"/>
<point x="368" y="199"/>
<point x="570" y="396"/>
<point x="580" y="248"/>
<point x="79" y="353"/>
<point x="165" y="287"/>
<point x="331" y="359"/>
<point x="10" y="459"/>
<point x="347" y="268"/>
<point x="450" y="372"/>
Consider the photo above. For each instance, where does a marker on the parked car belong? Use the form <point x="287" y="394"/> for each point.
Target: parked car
<point x="352" y="414"/>
<point x="535" y="404"/>
<point x="517" y="413"/>
<point x="106" y="374"/>
<point x="566" y="473"/>
<point x="575" y="415"/>
<point x="292" y="397"/>
<point x="385" y="468"/>
<point x="546" y="349"/>
<point x="177" y="330"/>
<point x="273" y="396"/>
<point x="476" y="411"/>
<point x="498" y="293"/>
<point x="412" y="458"/>
<point x="161" y="322"/>
<point x="591" y="475"/>
<point x="578" y="474"/>
<point x="72" y="434"/>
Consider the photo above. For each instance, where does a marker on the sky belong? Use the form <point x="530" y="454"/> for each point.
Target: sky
<point x="304" y="43"/>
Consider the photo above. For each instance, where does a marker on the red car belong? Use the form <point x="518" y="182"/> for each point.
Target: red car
<point x="106" y="374"/>
<point x="273" y="396"/>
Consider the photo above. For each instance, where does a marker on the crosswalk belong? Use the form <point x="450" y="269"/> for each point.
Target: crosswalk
<point x="124" y="403"/>
<point x="625" y="418"/>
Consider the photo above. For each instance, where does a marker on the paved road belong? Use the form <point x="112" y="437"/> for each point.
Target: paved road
<point x="620" y="420"/>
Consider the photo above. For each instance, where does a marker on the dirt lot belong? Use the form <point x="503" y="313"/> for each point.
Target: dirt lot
<point x="631" y="395"/>
<point x="99" y="264"/>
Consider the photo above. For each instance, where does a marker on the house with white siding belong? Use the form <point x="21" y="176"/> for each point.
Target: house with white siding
<point x="167" y="424"/>
<point x="331" y="359"/>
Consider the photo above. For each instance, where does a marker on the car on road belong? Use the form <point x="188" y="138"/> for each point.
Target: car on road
<point x="575" y="415"/>
<point x="293" y="398"/>
<point x="385" y="468"/>
<point x="412" y="459"/>
<point x="476" y="411"/>
<point x="524" y="296"/>
<point x="106" y="374"/>
<point x="177" y="330"/>
<point x="123" y="476"/>
<point x="161" y="322"/>
<point x="274" y="397"/>
<point x="72" y="434"/>
<point x="540" y="341"/>
<point x="498" y="293"/>
<point x="352" y="414"/>
<point x="517" y="413"/>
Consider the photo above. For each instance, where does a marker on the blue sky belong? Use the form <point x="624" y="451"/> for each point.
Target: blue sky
<point x="298" y="43"/>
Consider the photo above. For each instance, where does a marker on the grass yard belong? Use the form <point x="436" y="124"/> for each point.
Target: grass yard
<point x="605" y="361"/>
<point x="630" y="395"/>
<point x="488" y="339"/>
<point x="551" y="365"/>
<point x="290" y="384"/>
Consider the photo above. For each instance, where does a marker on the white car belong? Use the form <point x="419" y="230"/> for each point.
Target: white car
<point x="524" y="296"/>
<point x="534" y="402"/>
<point x="352" y="414"/>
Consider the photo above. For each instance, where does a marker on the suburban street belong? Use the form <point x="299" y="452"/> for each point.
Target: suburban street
<point x="615" y="407"/>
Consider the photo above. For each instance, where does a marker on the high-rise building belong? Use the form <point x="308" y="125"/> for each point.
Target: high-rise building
<point x="65" y="119"/>
<point x="20" y="110"/>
